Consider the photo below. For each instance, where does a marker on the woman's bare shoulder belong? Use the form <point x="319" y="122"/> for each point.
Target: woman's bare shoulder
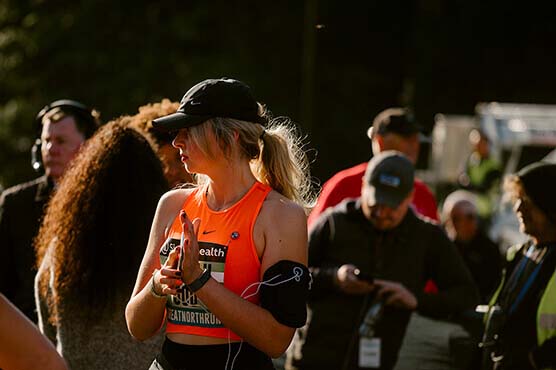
<point x="284" y="225"/>
<point x="278" y="205"/>
<point x="175" y="197"/>
<point x="170" y="203"/>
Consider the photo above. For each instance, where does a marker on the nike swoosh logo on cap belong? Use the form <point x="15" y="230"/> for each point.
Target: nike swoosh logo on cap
<point x="208" y="232"/>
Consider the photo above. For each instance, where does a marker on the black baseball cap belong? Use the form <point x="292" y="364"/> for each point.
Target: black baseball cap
<point x="222" y="97"/>
<point x="389" y="178"/>
<point x="395" y="120"/>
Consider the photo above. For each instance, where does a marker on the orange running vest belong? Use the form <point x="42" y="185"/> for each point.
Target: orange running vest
<point x="227" y="249"/>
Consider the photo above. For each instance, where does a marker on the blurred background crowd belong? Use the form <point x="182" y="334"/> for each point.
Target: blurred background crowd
<point x="477" y="77"/>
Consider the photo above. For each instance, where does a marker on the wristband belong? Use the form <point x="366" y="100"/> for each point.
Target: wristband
<point x="153" y="291"/>
<point x="198" y="283"/>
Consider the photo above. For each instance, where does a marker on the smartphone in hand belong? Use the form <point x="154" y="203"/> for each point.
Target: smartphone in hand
<point x="364" y="276"/>
<point x="180" y="259"/>
<point x="183" y="218"/>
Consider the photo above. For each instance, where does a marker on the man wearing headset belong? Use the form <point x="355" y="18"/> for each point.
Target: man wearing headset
<point x="63" y="126"/>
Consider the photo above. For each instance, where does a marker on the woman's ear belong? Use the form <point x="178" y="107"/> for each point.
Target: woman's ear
<point x="236" y="136"/>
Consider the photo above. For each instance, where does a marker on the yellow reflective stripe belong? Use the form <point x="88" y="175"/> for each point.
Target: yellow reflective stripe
<point x="546" y="312"/>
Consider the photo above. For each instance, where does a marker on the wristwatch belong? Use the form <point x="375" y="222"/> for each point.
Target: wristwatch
<point x="198" y="283"/>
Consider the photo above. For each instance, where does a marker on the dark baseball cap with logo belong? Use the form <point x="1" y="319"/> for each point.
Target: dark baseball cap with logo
<point x="389" y="179"/>
<point x="395" y="120"/>
<point x="222" y="97"/>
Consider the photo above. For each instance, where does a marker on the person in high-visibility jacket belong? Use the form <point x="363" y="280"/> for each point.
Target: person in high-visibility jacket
<point x="481" y="174"/>
<point x="520" y="330"/>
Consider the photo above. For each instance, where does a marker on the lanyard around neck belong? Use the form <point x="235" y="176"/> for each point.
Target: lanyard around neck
<point x="529" y="280"/>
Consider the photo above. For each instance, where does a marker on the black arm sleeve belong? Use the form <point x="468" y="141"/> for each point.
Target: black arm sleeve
<point x="284" y="292"/>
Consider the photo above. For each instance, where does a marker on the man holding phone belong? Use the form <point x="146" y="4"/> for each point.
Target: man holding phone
<point x="376" y="251"/>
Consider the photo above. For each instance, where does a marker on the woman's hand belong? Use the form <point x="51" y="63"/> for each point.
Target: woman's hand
<point x="187" y="254"/>
<point x="168" y="279"/>
<point x="172" y="274"/>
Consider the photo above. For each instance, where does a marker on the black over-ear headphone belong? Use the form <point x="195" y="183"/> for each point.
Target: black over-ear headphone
<point x="87" y="124"/>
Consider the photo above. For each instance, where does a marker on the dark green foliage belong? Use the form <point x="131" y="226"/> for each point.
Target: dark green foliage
<point x="438" y="56"/>
<point x="118" y="55"/>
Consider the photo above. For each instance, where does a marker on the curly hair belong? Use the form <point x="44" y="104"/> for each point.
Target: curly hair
<point x="173" y="168"/>
<point x="142" y="120"/>
<point x="97" y="223"/>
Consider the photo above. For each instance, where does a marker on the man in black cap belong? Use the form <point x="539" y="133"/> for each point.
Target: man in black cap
<point x="372" y="255"/>
<point x="392" y="129"/>
<point x="520" y="331"/>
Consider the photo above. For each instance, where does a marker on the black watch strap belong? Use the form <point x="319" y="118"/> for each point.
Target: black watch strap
<point x="199" y="282"/>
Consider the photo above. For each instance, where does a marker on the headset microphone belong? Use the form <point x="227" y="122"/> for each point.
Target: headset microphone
<point x="36" y="159"/>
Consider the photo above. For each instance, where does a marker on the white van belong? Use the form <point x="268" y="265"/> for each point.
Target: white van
<point x="520" y="134"/>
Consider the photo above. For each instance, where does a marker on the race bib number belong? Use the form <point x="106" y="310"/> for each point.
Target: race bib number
<point x="185" y="308"/>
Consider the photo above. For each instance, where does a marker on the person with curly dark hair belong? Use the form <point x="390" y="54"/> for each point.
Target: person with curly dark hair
<point x="90" y="246"/>
<point x="231" y="285"/>
<point x="170" y="156"/>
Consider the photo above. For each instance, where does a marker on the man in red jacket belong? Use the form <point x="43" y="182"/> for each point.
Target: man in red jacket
<point x="392" y="129"/>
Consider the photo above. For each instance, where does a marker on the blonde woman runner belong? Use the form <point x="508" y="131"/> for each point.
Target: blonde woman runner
<point x="225" y="266"/>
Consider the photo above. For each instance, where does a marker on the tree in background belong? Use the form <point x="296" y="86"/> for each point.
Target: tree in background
<point x="329" y="65"/>
<point x="116" y="56"/>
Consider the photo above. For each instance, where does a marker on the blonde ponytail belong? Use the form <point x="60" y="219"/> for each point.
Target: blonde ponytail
<point x="276" y="153"/>
<point x="283" y="164"/>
